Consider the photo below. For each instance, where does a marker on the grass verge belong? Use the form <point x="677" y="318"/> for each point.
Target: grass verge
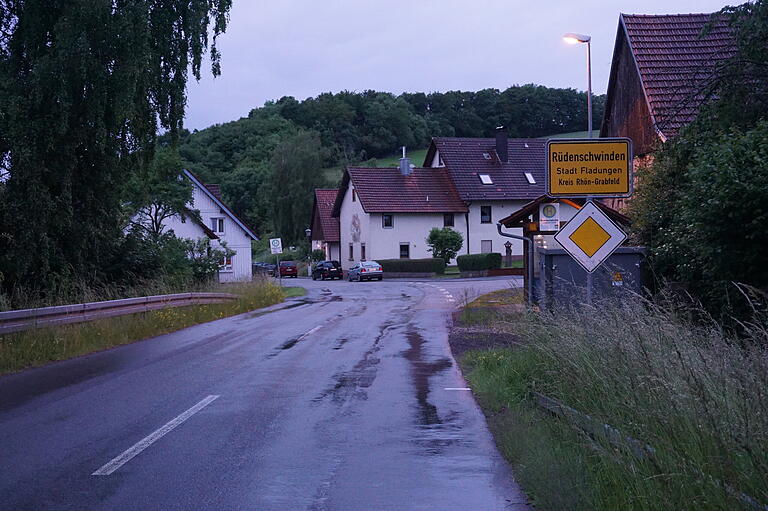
<point x="684" y="387"/>
<point x="31" y="348"/>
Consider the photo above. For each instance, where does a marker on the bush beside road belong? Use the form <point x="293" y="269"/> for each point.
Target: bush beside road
<point x="659" y="375"/>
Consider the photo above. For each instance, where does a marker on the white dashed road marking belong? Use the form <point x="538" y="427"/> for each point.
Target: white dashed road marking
<point x="145" y="442"/>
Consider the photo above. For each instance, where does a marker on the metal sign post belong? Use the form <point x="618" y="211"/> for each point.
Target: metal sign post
<point x="276" y="247"/>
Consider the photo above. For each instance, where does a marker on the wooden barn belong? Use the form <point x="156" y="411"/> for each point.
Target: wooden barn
<point x="662" y="66"/>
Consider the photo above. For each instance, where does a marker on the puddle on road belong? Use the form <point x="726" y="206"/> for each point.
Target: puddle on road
<point x="298" y="303"/>
<point x="435" y="432"/>
<point x="340" y="343"/>
<point x="290" y="344"/>
<point x="351" y="384"/>
<point x="421" y="372"/>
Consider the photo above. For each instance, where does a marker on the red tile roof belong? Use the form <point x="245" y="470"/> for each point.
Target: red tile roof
<point x="386" y="190"/>
<point x="215" y="190"/>
<point x="676" y="62"/>
<point x="466" y="158"/>
<point x="324" y="200"/>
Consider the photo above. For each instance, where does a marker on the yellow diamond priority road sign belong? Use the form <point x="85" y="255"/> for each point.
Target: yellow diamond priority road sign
<point x="590" y="237"/>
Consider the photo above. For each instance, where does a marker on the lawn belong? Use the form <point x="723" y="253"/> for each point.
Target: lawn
<point x="333" y="174"/>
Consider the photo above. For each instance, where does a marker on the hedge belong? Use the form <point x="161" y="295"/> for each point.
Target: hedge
<point x="479" y="262"/>
<point x="429" y="265"/>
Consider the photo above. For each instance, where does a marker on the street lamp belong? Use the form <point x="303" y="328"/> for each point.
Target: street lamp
<point x="308" y="233"/>
<point x="572" y="38"/>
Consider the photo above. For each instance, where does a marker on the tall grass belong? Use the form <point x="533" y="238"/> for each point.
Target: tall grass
<point x="694" y="393"/>
<point x="68" y="291"/>
<point x="39" y="346"/>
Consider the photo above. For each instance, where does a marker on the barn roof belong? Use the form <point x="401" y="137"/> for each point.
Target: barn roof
<point x="676" y="60"/>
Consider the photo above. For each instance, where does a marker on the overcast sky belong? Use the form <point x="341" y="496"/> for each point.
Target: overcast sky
<point x="302" y="48"/>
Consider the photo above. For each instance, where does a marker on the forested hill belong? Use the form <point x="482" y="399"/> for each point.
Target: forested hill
<point x="269" y="162"/>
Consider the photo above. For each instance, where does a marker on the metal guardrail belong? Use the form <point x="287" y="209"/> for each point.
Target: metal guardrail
<point x="18" y="320"/>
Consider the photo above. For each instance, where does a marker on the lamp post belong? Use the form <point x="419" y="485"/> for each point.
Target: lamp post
<point x="572" y="38"/>
<point x="308" y="233"/>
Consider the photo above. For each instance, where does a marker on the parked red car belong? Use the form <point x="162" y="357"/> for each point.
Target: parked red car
<point x="288" y="269"/>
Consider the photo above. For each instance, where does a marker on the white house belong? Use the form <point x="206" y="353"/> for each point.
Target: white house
<point x="386" y="213"/>
<point x="468" y="184"/>
<point x="217" y="219"/>
<point x="494" y="178"/>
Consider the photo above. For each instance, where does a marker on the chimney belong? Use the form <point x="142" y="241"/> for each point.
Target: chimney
<point x="406" y="168"/>
<point x="501" y="144"/>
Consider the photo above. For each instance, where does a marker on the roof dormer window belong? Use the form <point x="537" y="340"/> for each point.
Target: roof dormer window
<point x="485" y="179"/>
<point x="487" y="156"/>
<point x="530" y="178"/>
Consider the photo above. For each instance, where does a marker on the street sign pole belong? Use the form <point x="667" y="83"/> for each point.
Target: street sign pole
<point x="590" y="281"/>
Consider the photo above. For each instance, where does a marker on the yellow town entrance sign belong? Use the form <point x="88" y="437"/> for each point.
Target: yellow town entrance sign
<point x="600" y="167"/>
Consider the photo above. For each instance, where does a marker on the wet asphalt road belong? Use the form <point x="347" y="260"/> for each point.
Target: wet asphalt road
<point x="344" y="400"/>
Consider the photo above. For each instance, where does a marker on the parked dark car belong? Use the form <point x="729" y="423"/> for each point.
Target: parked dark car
<point x="288" y="269"/>
<point x="327" y="270"/>
<point x="366" y="270"/>
<point x="265" y="269"/>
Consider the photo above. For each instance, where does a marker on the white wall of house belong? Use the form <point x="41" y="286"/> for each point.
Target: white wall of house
<point x="354" y="225"/>
<point x="331" y="248"/>
<point x="480" y="232"/>
<point x="234" y="235"/>
<point x="407" y="228"/>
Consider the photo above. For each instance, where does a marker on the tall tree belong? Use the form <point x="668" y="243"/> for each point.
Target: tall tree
<point x="85" y="86"/>
<point x="295" y="175"/>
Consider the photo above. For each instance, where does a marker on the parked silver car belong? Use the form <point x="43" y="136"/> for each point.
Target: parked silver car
<point x="366" y="270"/>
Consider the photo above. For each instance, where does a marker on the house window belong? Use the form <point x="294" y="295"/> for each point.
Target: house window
<point x="351" y="252"/>
<point x="529" y="177"/>
<point x="217" y="225"/>
<point x="405" y="250"/>
<point x="387" y="221"/>
<point x="485" y="214"/>
<point x="225" y="264"/>
<point x="354" y="195"/>
<point x="486" y="246"/>
<point x="486" y="179"/>
<point x="447" y="219"/>
<point x="362" y="251"/>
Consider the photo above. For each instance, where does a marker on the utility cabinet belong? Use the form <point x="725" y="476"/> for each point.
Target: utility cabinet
<point x="562" y="281"/>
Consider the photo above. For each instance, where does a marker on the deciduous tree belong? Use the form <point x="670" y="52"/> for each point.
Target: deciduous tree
<point x="84" y="86"/>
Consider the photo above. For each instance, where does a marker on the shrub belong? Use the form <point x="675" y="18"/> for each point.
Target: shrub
<point x="444" y="243"/>
<point x="428" y="265"/>
<point x="479" y="262"/>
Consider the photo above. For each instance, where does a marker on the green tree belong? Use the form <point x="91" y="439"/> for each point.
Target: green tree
<point x="444" y="243"/>
<point x="84" y="86"/>
<point x="701" y="206"/>
<point x="158" y="193"/>
<point x="295" y="175"/>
